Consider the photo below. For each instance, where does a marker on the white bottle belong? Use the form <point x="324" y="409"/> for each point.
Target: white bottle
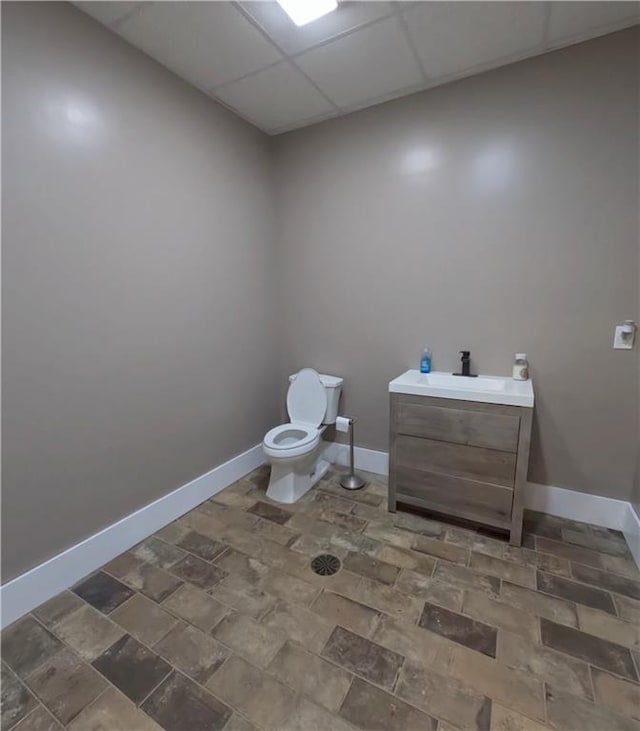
<point x="521" y="368"/>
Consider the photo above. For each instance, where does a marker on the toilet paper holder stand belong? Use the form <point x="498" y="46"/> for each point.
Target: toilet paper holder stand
<point x="351" y="481"/>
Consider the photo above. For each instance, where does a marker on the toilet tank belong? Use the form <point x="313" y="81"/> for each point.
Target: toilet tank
<point x="333" y="388"/>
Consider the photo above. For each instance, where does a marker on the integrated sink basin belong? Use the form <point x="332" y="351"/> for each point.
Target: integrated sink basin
<point x="487" y="389"/>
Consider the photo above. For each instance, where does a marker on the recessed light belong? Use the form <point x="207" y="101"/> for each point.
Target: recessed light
<point x="304" y="11"/>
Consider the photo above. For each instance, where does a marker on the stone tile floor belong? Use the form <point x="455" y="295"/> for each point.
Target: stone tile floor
<point x="218" y="622"/>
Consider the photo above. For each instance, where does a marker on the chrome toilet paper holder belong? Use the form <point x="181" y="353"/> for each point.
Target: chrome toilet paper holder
<point x="351" y="481"/>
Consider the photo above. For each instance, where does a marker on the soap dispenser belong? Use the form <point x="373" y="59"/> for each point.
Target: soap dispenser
<point x="521" y="367"/>
<point x="425" y="360"/>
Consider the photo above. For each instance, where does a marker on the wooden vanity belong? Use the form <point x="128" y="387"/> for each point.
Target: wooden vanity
<point x="460" y="458"/>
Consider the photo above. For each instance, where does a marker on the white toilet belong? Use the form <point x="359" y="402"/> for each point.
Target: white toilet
<point x="293" y="449"/>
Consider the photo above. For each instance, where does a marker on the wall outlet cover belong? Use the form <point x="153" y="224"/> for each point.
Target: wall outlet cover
<point x="621" y="340"/>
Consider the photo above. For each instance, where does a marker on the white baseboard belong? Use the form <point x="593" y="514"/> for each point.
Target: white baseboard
<point x="370" y="460"/>
<point x="595" y="509"/>
<point x="631" y="532"/>
<point x="25" y="592"/>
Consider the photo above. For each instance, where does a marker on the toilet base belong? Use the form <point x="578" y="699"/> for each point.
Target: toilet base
<point x="291" y="479"/>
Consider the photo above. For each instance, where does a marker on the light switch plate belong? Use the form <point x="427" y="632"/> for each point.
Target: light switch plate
<point x="620" y="342"/>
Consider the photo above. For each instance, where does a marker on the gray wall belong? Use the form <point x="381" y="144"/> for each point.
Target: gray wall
<point x="137" y="275"/>
<point x="635" y="492"/>
<point x="142" y="277"/>
<point x="497" y="214"/>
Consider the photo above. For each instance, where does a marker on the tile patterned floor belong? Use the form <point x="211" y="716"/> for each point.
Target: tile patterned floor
<point x="217" y="622"/>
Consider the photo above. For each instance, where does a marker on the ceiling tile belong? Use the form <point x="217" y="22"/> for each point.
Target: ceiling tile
<point x="366" y="64"/>
<point x="570" y="19"/>
<point x="453" y="37"/>
<point x="358" y="55"/>
<point x="293" y="39"/>
<point x="305" y="123"/>
<point x="274" y="97"/>
<point x="107" y="12"/>
<point x="206" y="43"/>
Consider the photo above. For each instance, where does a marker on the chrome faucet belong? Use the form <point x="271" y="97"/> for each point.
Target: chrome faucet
<point x="466" y="365"/>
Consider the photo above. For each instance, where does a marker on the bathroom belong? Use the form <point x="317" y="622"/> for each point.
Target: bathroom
<point x="207" y="202"/>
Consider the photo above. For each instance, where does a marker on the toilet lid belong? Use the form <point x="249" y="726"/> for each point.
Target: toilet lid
<point x="306" y="398"/>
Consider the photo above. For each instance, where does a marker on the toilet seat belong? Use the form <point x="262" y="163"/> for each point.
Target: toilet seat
<point x="291" y="440"/>
<point x="306" y="405"/>
<point x="292" y="434"/>
<point x="293" y="450"/>
<point x="307" y="398"/>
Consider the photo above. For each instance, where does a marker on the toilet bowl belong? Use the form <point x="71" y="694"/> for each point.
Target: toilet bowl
<point x="293" y="449"/>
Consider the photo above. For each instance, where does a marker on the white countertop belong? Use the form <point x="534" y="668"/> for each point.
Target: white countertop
<point x="486" y="389"/>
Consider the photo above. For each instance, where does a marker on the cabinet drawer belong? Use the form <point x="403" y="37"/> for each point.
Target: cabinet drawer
<point x="476" y="501"/>
<point x="456" y="460"/>
<point x="473" y="428"/>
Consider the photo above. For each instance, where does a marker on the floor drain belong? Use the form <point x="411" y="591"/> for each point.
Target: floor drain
<point x="325" y="564"/>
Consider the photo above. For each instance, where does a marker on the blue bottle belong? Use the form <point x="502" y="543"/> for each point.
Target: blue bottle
<point x="425" y="361"/>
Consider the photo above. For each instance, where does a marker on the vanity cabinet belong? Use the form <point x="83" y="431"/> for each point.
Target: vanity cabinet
<point x="460" y="458"/>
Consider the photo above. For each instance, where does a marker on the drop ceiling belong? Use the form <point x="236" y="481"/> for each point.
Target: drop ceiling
<point x="253" y="59"/>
